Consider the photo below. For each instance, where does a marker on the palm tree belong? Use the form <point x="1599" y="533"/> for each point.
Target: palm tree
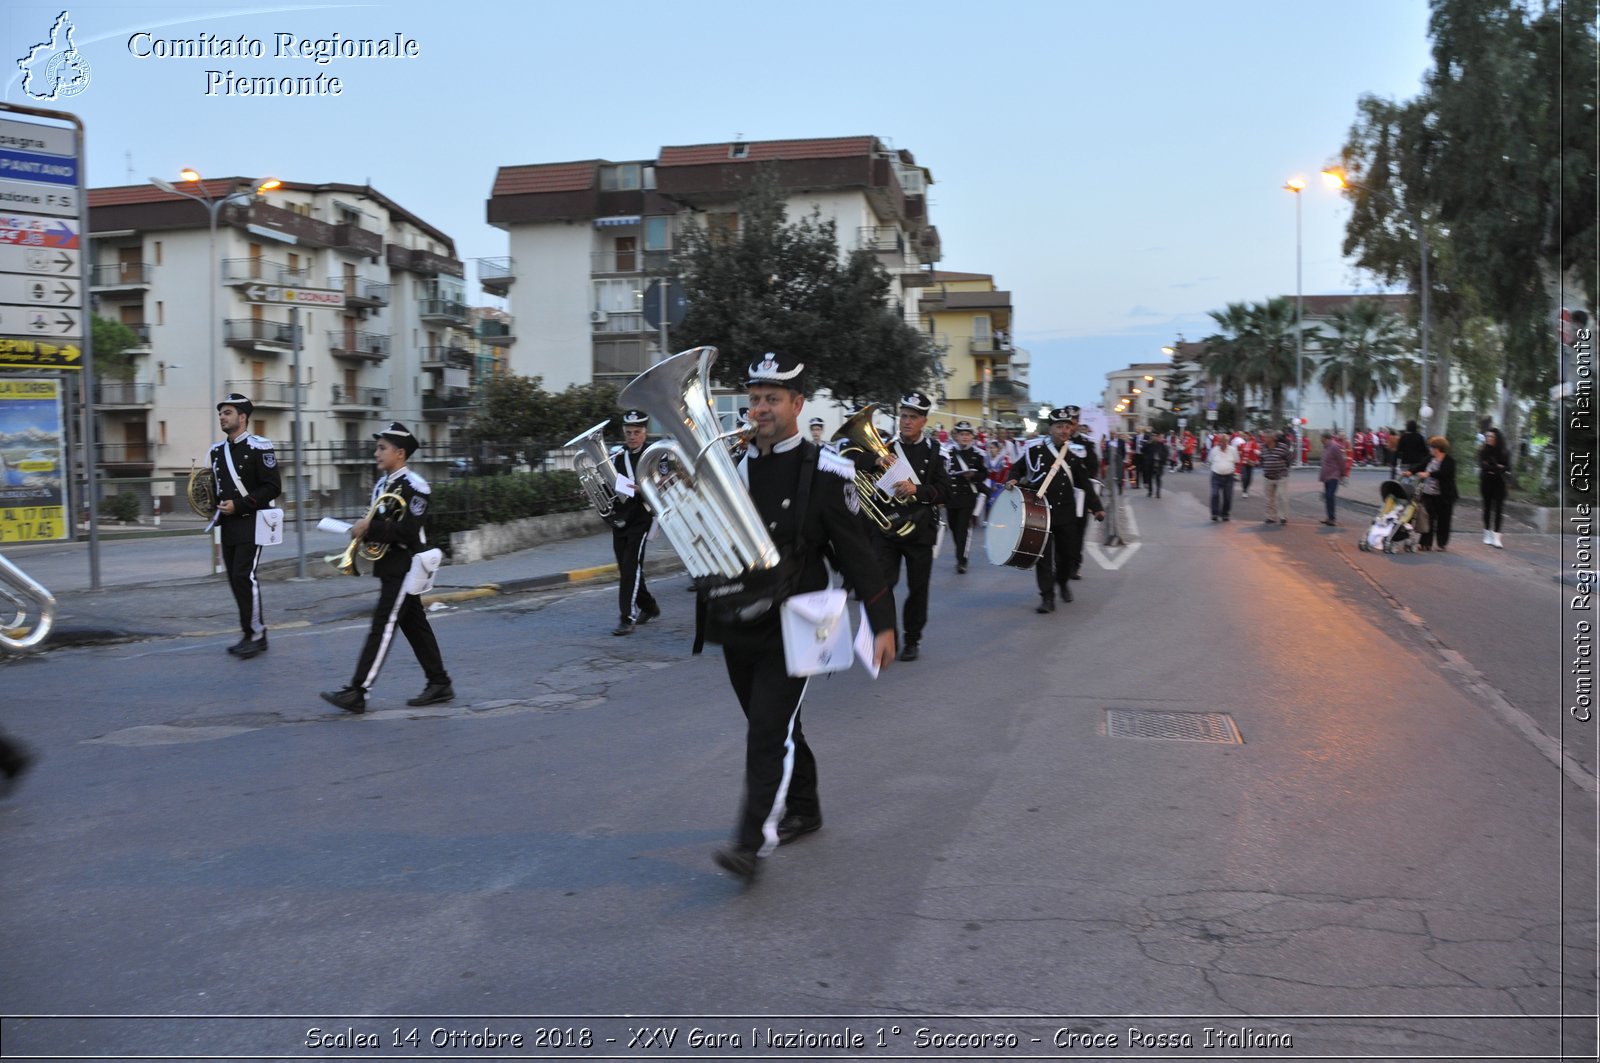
<point x="1270" y="361"/>
<point x="1363" y="356"/>
<point x="1228" y="353"/>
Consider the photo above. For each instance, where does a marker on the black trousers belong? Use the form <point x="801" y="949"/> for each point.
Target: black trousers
<point x="240" y="561"/>
<point x="633" y="599"/>
<point x="405" y="612"/>
<point x="960" y="513"/>
<point x="1063" y="552"/>
<point x="919" y="570"/>
<point x="1152" y="478"/>
<point x="1493" y="489"/>
<point x="1440" y="514"/>
<point x="780" y="774"/>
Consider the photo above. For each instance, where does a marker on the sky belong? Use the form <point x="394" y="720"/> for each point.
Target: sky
<point x="1117" y="166"/>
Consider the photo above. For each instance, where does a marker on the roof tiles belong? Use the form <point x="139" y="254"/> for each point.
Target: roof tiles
<point x="767" y="150"/>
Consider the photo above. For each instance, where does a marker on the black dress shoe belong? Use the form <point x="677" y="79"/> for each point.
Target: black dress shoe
<point x="648" y="614"/>
<point x="794" y="826"/>
<point x="1046" y="605"/>
<point x="350" y="699"/>
<point x="961" y="566"/>
<point x="624" y="628"/>
<point x="742" y="862"/>
<point x="434" y="694"/>
<point x="909" y="652"/>
<point x="242" y="644"/>
<point x="1077" y="573"/>
<point x="251" y="648"/>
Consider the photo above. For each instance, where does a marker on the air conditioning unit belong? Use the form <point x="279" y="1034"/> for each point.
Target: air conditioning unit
<point x="597" y="317"/>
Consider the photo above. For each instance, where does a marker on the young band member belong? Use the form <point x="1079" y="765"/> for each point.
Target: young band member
<point x="244" y="469"/>
<point x="968" y="469"/>
<point x="401" y="526"/>
<point x="1066" y="536"/>
<point x="631" y="522"/>
<point x="806" y="495"/>
<point x="917" y="498"/>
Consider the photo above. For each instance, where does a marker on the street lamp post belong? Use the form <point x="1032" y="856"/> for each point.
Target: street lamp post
<point x="1297" y="185"/>
<point x="1336" y="177"/>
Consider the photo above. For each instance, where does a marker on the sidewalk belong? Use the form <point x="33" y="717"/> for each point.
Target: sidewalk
<point x="132" y="609"/>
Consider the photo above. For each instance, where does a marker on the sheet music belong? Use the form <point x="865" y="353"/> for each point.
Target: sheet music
<point x="865" y="641"/>
<point x="900" y="470"/>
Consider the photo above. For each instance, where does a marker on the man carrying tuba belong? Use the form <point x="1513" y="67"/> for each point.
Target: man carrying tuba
<point x="400" y="525"/>
<point x="631" y="522"/>
<point x="244" y="474"/>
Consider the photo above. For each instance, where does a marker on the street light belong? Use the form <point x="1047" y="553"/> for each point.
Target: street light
<point x="1298" y="185"/>
<point x="213" y="206"/>
<point x="1335" y="176"/>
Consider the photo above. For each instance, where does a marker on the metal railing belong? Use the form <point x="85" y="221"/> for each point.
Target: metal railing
<point x="123" y="393"/>
<point x="120" y="275"/>
<point x="257" y="330"/>
<point x="241" y="270"/>
<point x="442" y="308"/>
<point x="279" y="393"/>
<point x="376" y="398"/>
<point x="629" y="261"/>
<point x="496" y="272"/>
<point x="491" y="329"/>
<point x="441" y="356"/>
<point x="354" y="342"/>
<point x="367" y="291"/>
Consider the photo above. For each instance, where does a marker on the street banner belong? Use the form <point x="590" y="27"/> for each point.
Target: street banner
<point x="33" y="461"/>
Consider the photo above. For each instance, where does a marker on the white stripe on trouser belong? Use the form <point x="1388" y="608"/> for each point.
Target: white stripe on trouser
<point x="638" y="579"/>
<point x="383" y="646"/>
<point x="769" y="827"/>
<point x="258" y="620"/>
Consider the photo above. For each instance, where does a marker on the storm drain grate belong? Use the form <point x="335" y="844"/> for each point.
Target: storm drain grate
<point x="1173" y="726"/>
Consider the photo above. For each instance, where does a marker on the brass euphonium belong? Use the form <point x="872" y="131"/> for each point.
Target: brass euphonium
<point x="27" y="610"/>
<point x="701" y="505"/>
<point x="346" y="562"/>
<point x="596" y="474"/>
<point x="859" y="441"/>
<point x="201" y="491"/>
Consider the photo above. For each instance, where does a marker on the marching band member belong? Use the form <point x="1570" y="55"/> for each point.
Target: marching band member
<point x="403" y="531"/>
<point x="807" y="496"/>
<point x="919" y="499"/>
<point x="244" y="470"/>
<point x="968" y="469"/>
<point x="1066" y="533"/>
<point x="1081" y="447"/>
<point x="631" y="521"/>
<point x="817" y="425"/>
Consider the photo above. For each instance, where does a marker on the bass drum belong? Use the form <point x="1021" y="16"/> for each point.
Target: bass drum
<point x="1019" y="527"/>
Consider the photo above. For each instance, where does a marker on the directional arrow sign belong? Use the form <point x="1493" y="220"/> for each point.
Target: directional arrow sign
<point x="41" y="322"/>
<point x="36" y="230"/>
<point x="272" y="293"/>
<point x="39" y="290"/>
<point x="18" y="350"/>
<point x="48" y="261"/>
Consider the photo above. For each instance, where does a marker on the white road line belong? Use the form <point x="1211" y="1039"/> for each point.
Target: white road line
<point x="1096" y="551"/>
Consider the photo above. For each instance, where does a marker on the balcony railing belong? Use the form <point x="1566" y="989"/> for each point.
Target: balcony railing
<point x="125" y="453"/>
<point x="123" y="393"/>
<point x="351" y="450"/>
<point x="996" y="345"/>
<point x="246" y="270"/>
<point x="443" y="310"/>
<point x="496" y="275"/>
<point x="999" y="389"/>
<point x="446" y="399"/>
<point x="348" y="343"/>
<point x="275" y="394"/>
<point x="496" y="331"/>
<point x="359" y="291"/>
<point x="618" y="322"/>
<point x="442" y="357"/>
<point x="249" y="331"/>
<point x="120" y="275"/>
<point x="629" y="261"/>
<point x="882" y="238"/>
<point x="142" y="331"/>
<point x="372" y="398"/>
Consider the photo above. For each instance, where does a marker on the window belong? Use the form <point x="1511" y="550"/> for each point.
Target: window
<point x="618" y="296"/>
<point x="620" y="357"/>
<point x="649" y="176"/>
<point x="626" y="254"/>
<point x="657" y="234"/>
<point x="158" y="252"/>
<point x="624" y="178"/>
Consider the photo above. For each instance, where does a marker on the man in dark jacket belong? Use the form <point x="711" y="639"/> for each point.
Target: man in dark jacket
<point x="244" y="470"/>
<point x="631" y="522"/>
<point x="917" y="498"/>
<point x="1412" y="448"/>
<point x="1065" y="542"/>
<point x="968" y="470"/>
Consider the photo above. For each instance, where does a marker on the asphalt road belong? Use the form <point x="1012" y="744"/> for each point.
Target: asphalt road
<point x="1397" y="861"/>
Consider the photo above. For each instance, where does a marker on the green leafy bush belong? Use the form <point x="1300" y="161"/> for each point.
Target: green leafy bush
<point x="460" y="505"/>
<point x="123" y="506"/>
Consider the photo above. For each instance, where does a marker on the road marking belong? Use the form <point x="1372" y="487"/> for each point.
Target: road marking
<point x="1096" y="551"/>
<point x="1125" y="512"/>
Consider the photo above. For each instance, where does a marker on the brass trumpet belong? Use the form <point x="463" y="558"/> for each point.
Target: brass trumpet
<point x="346" y="562"/>
<point x="859" y="441"/>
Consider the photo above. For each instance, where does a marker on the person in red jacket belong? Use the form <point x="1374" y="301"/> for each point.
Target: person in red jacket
<point x="1189" y="445"/>
<point x="1249" y="458"/>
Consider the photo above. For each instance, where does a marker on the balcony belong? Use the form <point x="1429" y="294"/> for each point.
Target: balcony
<point x="446" y="358"/>
<point x="125" y="458"/>
<point x="142" y="331"/>
<point x="886" y="240"/>
<point x="124" y="394"/>
<point x="128" y="277"/>
<point x="496" y="275"/>
<point x="1001" y="389"/>
<point x="259" y="334"/>
<point x="604" y="321"/>
<point x="365" y="346"/>
<point x="349" y="400"/>
<point x="441" y="402"/>
<point x="351" y="450"/>
<point x="263" y="271"/>
<point x="497" y="332"/>
<point x="268" y="394"/>
<point x="362" y="294"/>
<point x="442" y="311"/>
<point x="629" y="261"/>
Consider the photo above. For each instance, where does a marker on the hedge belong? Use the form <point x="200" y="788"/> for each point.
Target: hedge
<point x="460" y="505"/>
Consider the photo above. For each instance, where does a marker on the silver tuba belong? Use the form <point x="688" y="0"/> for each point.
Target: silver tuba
<point x="27" y="610"/>
<point x="701" y="503"/>
<point x="595" y="472"/>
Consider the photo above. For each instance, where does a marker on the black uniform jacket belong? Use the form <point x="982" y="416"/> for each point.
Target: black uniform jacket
<point x="400" y="526"/>
<point x="831" y="518"/>
<point x="933" y="487"/>
<point x="632" y="512"/>
<point x="1031" y="469"/>
<point x="257" y="464"/>
<point x="966" y="484"/>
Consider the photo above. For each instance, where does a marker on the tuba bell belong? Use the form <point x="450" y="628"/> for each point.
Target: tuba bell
<point x="201" y="491"/>
<point x="701" y="504"/>
<point x="595" y="472"/>
<point x="859" y="441"/>
<point x="27" y="610"/>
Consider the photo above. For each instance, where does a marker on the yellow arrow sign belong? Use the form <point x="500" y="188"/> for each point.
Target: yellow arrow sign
<point x="15" y="350"/>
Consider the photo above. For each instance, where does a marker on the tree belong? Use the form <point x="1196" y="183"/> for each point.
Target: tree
<point x="1175" y="385"/>
<point x="780" y="286"/>
<point x="518" y="412"/>
<point x="1270" y="351"/>
<point x="112" y="340"/>
<point x="1227" y="355"/>
<point x="1363" y="355"/>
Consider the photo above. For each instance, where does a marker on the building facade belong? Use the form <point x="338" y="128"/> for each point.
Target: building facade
<point x="403" y="347"/>
<point x="970" y="323"/>
<point x="587" y="239"/>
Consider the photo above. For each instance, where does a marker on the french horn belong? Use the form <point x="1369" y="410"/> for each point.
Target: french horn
<point x="201" y="491"/>
<point x="346" y="562"/>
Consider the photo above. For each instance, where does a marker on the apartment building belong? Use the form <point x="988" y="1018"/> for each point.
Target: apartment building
<point x="969" y="322"/>
<point x="586" y="239"/>
<point x="404" y="346"/>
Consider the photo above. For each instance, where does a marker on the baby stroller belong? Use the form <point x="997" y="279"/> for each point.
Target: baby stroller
<point x="1395" y="521"/>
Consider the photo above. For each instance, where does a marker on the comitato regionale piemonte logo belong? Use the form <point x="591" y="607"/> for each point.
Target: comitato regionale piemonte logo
<point x="55" y="69"/>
